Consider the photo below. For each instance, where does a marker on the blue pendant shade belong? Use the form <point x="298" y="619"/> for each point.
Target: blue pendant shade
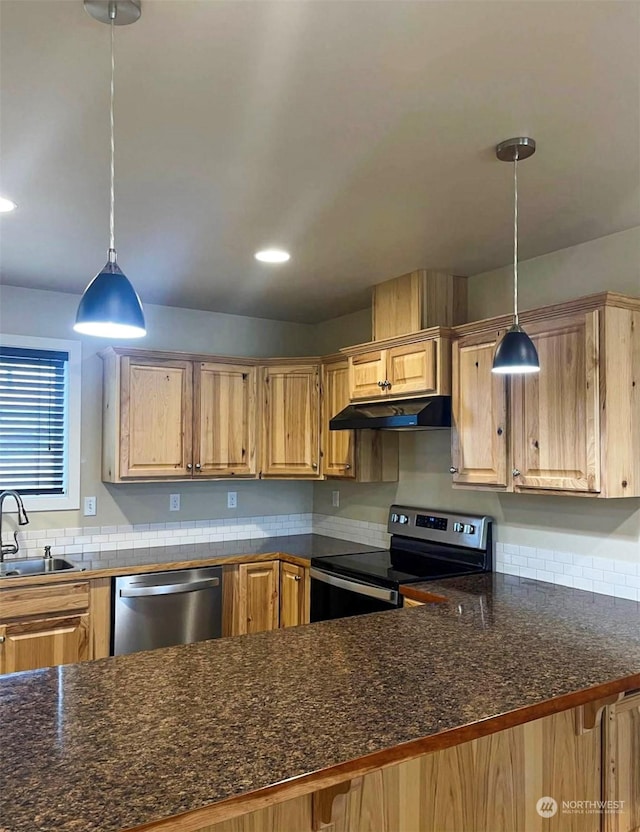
<point x="110" y="306"/>
<point x="516" y="354"/>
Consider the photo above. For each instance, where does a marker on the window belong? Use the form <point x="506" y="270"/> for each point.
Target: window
<point x="40" y="421"/>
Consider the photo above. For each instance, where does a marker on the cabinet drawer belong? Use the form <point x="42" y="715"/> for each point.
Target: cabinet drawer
<point x="39" y="600"/>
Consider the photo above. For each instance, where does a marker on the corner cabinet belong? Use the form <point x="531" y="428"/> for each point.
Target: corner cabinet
<point x="413" y="365"/>
<point x="572" y="428"/>
<point x="264" y="595"/>
<point x="291" y="420"/>
<point x="169" y="417"/>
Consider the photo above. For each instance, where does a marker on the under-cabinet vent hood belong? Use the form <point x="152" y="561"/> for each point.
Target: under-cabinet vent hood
<point x="407" y="414"/>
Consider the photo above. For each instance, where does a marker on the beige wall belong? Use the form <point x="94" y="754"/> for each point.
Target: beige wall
<point x="608" y="528"/>
<point x="51" y="314"/>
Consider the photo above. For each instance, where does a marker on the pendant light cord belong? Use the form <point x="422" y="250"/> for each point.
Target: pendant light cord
<point x="515" y="239"/>
<point x="112" y="232"/>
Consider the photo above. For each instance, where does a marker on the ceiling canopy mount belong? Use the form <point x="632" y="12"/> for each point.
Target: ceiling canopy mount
<point x="122" y="12"/>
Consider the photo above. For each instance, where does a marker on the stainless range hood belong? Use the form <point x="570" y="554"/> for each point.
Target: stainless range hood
<point x="409" y="414"/>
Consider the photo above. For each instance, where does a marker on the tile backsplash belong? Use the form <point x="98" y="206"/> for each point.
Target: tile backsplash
<point x="593" y="574"/>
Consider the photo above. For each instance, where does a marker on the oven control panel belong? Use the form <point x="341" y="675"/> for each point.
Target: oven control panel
<point x="443" y="527"/>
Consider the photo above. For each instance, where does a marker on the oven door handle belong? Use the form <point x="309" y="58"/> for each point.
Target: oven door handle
<point x="388" y="595"/>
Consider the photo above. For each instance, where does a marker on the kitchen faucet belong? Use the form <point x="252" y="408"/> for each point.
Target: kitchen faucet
<point x="23" y="519"/>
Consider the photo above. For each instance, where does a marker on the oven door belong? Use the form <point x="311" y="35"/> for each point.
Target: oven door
<point x="333" y="596"/>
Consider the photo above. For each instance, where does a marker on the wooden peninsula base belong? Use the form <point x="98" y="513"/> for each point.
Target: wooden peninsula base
<point x="490" y="784"/>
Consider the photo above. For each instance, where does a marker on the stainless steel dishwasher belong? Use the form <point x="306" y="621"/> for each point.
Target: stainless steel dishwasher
<point x="161" y="609"/>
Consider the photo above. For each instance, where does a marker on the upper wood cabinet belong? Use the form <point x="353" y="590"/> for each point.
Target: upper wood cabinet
<point x="225" y="423"/>
<point x="291" y="420"/>
<point x="338" y="446"/>
<point x="416" y="301"/>
<point x="555" y="413"/>
<point x="479" y="449"/>
<point x="174" y="418"/>
<point x="417" y="365"/>
<point x="362" y="455"/>
<point x="572" y="428"/>
<point x="156" y="417"/>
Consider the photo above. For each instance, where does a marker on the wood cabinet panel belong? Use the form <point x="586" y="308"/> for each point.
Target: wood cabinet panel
<point x="18" y="602"/>
<point x="291" y="421"/>
<point x="479" y="449"/>
<point x="365" y="371"/>
<point x="555" y="413"/>
<point x="338" y="446"/>
<point x="412" y="368"/>
<point x="32" y="644"/>
<point x="259" y="595"/>
<point x="156" y="415"/>
<point x="294" y="595"/>
<point x="225" y="420"/>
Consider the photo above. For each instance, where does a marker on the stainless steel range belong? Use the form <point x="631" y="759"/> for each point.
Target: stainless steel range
<point x="425" y="545"/>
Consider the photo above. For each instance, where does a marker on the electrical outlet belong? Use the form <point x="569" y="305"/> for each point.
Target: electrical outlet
<point x="335" y="499"/>
<point x="174" y="502"/>
<point x="232" y="499"/>
<point x="90" y="505"/>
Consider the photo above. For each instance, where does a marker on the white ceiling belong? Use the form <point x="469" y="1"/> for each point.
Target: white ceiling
<point x="358" y="135"/>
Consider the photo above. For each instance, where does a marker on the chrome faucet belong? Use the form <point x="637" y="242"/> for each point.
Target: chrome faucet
<point x="23" y="519"/>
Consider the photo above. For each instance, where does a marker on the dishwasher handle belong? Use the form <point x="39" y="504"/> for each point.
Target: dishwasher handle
<point x="169" y="589"/>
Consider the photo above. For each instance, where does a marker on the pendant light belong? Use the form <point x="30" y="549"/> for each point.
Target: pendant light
<point x="516" y="353"/>
<point x="110" y="306"/>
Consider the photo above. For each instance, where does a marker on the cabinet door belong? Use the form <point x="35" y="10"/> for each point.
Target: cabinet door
<point x="259" y="595"/>
<point x="156" y="418"/>
<point x="365" y="371"/>
<point x="338" y="446"/>
<point x="28" y="645"/>
<point x="622" y="764"/>
<point x="555" y="413"/>
<point x="225" y="420"/>
<point x="479" y="449"/>
<point x="411" y="368"/>
<point x="291" y="421"/>
<point x="294" y="595"/>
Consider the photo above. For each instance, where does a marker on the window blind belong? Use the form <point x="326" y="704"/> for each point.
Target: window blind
<point x="33" y="396"/>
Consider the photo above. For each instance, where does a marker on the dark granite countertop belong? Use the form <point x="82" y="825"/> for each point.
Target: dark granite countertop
<point x="116" y="743"/>
<point x="158" y="558"/>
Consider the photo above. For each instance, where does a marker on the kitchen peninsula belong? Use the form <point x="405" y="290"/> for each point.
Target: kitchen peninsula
<point x="465" y="714"/>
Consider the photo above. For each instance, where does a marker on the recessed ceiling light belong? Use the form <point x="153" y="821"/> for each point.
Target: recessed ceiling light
<point x="6" y="205"/>
<point x="272" y="255"/>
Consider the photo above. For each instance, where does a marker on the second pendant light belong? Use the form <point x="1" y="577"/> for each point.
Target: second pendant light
<point x="516" y="353"/>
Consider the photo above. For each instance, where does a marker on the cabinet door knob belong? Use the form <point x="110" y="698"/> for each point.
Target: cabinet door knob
<point x="296" y="577"/>
<point x="515" y="472"/>
<point x="2" y="639"/>
<point x="347" y="467"/>
<point x="314" y="465"/>
<point x="387" y="384"/>
<point x="198" y="466"/>
<point x="453" y="470"/>
<point x="189" y="466"/>
<point x="382" y="384"/>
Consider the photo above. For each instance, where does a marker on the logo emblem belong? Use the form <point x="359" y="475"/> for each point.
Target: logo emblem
<point x="546" y="807"/>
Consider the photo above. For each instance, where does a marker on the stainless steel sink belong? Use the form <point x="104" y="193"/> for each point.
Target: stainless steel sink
<point x="36" y="566"/>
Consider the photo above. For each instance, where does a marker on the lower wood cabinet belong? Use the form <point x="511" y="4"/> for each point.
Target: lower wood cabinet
<point x="42" y="642"/>
<point x="264" y="595"/>
<point x="621" y="775"/>
<point x="51" y="624"/>
<point x="294" y="595"/>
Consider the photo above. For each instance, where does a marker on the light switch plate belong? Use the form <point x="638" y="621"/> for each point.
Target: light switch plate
<point x="174" y="502"/>
<point x="90" y="506"/>
<point x="232" y="499"/>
